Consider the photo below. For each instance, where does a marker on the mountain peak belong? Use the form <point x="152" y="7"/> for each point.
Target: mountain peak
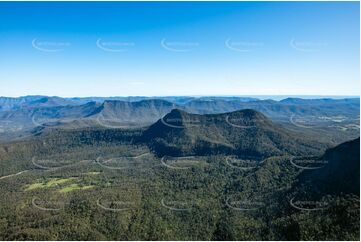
<point x="251" y="113"/>
<point x="178" y="112"/>
<point x="183" y="133"/>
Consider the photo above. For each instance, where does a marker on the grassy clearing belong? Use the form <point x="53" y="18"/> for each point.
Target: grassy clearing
<point x="74" y="187"/>
<point x="92" y="173"/>
<point x="49" y="183"/>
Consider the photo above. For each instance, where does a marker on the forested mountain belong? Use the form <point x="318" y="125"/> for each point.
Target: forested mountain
<point x="340" y="174"/>
<point x="325" y="200"/>
<point x="244" y="133"/>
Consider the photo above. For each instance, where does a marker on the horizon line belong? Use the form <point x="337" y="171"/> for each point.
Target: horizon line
<point x="196" y="96"/>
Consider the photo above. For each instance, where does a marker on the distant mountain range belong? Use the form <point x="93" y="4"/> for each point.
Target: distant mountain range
<point x="203" y="105"/>
<point x="10" y="103"/>
<point x="19" y="115"/>
<point x="200" y="104"/>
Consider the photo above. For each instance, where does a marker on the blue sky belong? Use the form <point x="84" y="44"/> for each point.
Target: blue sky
<point x="179" y="48"/>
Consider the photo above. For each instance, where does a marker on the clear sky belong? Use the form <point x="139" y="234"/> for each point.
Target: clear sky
<point x="179" y="48"/>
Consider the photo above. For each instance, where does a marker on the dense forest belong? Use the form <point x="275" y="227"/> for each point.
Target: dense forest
<point x="113" y="184"/>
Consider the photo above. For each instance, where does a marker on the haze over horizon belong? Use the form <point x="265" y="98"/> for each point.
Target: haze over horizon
<point x="274" y="97"/>
<point x="180" y="49"/>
